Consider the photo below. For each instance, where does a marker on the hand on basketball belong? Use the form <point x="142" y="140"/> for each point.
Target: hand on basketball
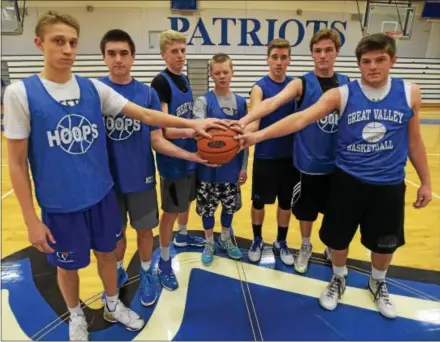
<point x="38" y="234"/>
<point x="236" y="126"/>
<point x="424" y="196"/>
<point x="201" y="126"/>
<point x="242" y="178"/>
<point x="197" y="159"/>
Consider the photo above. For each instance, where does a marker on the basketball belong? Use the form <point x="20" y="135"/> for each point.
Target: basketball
<point x="221" y="148"/>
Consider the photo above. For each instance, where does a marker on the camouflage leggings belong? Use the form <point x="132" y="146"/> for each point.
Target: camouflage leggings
<point x="210" y="194"/>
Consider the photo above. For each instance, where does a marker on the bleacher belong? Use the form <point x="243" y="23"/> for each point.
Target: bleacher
<point x="247" y="69"/>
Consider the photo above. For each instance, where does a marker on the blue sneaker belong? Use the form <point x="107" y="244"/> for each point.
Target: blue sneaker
<point x="227" y="245"/>
<point x="183" y="240"/>
<point x="122" y="277"/>
<point x="148" y="287"/>
<point x="208" y="254"/>
<point x="166" y="275"/>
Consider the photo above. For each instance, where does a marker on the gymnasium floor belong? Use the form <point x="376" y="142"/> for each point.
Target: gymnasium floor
<point x="238" y="300"/>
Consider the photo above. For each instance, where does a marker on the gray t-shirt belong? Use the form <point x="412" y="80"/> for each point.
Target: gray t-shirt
<point x="228" y="104"/>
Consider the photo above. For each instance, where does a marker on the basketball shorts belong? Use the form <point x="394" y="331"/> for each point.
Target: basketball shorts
<point x="310" y="194"/>
<point x="272" y="179"/>
<point x="141" y="207"/>
<point x="377" y="209"/>
<point x="177" y="194"/>
<point x="98" y="228"/>
<point x="209" y="195"/>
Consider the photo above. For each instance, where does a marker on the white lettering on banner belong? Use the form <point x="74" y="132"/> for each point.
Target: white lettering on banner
<point x="74" y="134"/>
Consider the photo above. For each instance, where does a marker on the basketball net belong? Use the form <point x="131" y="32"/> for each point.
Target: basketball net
<point x="395" y="34"/>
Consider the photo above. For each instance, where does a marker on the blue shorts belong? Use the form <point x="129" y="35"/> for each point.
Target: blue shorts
<point x="98" y="227"/>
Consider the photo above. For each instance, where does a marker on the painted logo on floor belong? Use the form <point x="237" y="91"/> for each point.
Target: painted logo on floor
<point x="244" y="297"/>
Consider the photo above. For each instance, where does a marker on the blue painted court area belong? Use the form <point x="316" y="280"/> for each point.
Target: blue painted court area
<point x="220" y="307"/>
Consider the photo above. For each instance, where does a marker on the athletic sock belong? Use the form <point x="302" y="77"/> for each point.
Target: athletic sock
<point x="282" y="233"/>
<point x="257" y="228"/>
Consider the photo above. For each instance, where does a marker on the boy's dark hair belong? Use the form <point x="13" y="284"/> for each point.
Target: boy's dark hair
<point x="117" y="35"/>
<point x="376" y="42"/>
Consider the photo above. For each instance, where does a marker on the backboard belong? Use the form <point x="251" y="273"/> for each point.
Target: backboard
<point x="389" y="16"/>
<point x="12" y="17"/>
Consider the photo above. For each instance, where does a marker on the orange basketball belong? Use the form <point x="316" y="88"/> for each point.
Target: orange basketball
<point x="221" y="148"/>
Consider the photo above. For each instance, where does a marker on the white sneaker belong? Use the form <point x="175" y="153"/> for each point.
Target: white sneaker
<point x="124" y="315"/>
<point x="254" y="253"/>
<point x="333" y="292"/>
<point x="280" y="248"/>
<point x="302" y="259"/>
<point x="78" y="328"/>
<point x="381" y="297"/>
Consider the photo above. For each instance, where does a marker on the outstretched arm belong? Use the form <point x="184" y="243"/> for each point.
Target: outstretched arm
<point x="417" y="153"/>
<point x="175" y="133"/>
<point x="290" y="92"/>
<point x="328" y="102"/>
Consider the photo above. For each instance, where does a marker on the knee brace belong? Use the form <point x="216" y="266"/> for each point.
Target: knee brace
<point x="208" y="222"/>
<point x="226" y="219"/>
<point x="284" y="203"/>
<point x="258" y="204"/>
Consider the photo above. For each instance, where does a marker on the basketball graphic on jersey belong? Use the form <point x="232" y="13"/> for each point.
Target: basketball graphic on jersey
<point x="329" y="123"/>
<point x="121" y="127"/>
<point x="374" y="132"/>
<point x="74" y="133"/>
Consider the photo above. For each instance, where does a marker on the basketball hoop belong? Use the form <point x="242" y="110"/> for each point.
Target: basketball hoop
<point x="395" y="34"/>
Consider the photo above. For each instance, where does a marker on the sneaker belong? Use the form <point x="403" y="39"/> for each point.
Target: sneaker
<point x="256" y="249"/>
<point x="130" y="319"/>
<point x="208" y="254"/>
<point x="148" y="287"/>
<point x="328" y="254"/>
<point x="280" y="248"/>
<point x="184" y="240"/>
<point x="166" y="275"/>
<point x="122" y="277"/>
<point x="232" y="250"/>
<point x="302" y="259"/>
<point x="381" y="297"/>
<point x="78" y="328"/>
<point x="333" y="292"/>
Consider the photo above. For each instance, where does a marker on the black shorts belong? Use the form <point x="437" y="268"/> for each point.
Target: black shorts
<point x="272" y="179"/>
<point x="310" y="194"/>
<point x="378" y="209"/>
<point x="209" y="195"/>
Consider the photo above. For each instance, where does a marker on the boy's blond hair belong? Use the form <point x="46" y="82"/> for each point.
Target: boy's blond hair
<point x="170" y="36"/>
<point x="278" y="43"/>
<point x="326" y="34"/>
<point x="220" y="58"/>
<point x="54" y="17"/>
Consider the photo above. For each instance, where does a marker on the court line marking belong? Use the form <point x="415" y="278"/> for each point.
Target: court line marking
<point x="7" y="194"/>
<point x="417" y="185"/>
<point x="174" y="301"/>
<point x="167" y="317"/>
